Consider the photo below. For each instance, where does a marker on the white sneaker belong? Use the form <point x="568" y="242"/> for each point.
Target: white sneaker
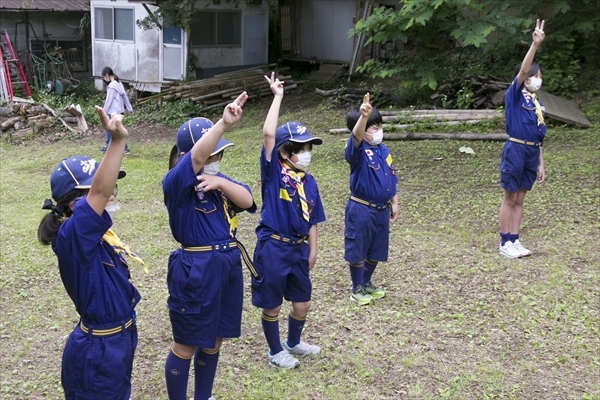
<point x="283" y="359"/>
<point x="302" y="349"/>
<point x="524" y="252"/>
<point x="509" y="250"/>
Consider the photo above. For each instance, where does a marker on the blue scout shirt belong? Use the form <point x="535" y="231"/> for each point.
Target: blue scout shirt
<point x="281" y="212"/>
<point x="197" y="218"/>
<point x="372" y="174"/>
<point x="521" y="121"/>
<point x="96" y="279"/>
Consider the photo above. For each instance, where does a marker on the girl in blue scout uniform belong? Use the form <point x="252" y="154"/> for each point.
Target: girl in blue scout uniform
<point x="373" y="202"/>
<point x="98" y="356"/>
<point x="204" y="277"/>
<point x="286" y="248"/>
<point x="522" y="159"/>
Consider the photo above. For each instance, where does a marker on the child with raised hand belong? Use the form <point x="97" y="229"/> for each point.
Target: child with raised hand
<point x="373" y="203"/>
<point x="98" y="356"/>
<point x="286" y="248"/>
<point x="522" y="161"/>
<point x="205" y="276"/>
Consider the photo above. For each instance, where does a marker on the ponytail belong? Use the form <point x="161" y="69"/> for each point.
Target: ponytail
<point x="110" y="72"/>
<point x="51" y="222"/>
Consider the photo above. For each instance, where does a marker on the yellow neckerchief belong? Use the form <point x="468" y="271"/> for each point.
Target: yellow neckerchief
<point x="119" y="247"/>
<point x="231" y="221"/>
<point x="297" y="177"/>
<point x="538" y="107"/>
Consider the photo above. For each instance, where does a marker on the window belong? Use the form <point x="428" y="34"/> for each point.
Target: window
<point x="114" y="23"/>
<point x="217" y="28"/>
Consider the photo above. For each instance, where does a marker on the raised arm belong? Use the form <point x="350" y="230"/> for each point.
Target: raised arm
<point x="270" y="125"/>
<point x="105" y="178"/>
<point x="361" y="124"/>
<point x="205" y="145"/>
<point x="538" y="38"/>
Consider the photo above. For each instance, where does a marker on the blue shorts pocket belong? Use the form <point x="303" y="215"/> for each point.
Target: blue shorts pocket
<point x="183" y="308"/>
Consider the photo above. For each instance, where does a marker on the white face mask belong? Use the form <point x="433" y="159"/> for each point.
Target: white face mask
<point x="303" y="160"/>
<point x="535" y="84"/>
<point x="377" y="138"/>
<point x="212" y="168"/>
<point x="112" y="210"/>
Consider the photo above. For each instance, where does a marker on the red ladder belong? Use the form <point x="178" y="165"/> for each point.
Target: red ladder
<point x="12" y="67"/>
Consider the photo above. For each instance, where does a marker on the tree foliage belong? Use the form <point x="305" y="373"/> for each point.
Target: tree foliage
<point x="447" y="38"/>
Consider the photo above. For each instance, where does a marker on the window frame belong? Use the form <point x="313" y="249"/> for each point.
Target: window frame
<point x="216" y="29"/>
<point x="114" y="32"/>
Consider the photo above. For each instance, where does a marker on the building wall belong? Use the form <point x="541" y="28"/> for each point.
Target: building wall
<point x="49" y="27"/>
<point x="141" y="61"/>
<point x="137" y="60"/>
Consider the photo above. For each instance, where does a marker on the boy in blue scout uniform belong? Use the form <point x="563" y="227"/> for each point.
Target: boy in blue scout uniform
<point x="205" y="276"/>
<point x="522" y="160"/>
<point x="98" y="356"/>
<point x="286" y="248"/>
<point x="373" y="202"/>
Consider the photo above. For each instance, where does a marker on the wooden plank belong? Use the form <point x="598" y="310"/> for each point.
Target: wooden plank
<point x="563" y="110"/>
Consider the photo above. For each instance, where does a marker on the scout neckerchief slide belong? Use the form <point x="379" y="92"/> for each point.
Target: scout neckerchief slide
<point x="119" y="247"/>
<point x="297" y="178"/>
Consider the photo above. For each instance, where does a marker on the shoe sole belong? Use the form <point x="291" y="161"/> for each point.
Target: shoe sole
<point x="361" y="302"/>
<point x="509" y="256"/>
<point x="376" y="296"/>
<point x="280" y="367"/>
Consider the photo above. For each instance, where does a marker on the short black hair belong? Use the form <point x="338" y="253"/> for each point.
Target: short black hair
<point x="354" y="114"/>
<point x="290" y="147"/>
<point x="532" y="71"/>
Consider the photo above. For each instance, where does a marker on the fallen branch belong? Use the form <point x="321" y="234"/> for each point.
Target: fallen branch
<point x="453" y="136"/>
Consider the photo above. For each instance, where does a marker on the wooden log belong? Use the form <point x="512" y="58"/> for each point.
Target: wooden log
<point x="452" y="136"/>
<point x="327" y="93"/>
<point x="47" y="107"/>
<point x="9" y="123"/>
<point x="438" y="111"/>
<point x="441" y="117"/>
<point x="37" y="117"/>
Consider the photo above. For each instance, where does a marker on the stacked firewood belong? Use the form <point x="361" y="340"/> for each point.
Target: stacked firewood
<point x="219" y="90"/>
<point x="471" y="91"/>
<point x="24" y="118"/>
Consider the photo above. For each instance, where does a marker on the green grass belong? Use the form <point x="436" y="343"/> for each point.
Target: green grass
<point x="458" y="322"/>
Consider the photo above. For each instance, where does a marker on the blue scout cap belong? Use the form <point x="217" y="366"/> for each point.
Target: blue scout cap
<point x="76" y="172"/>
<point x="296" y="132"/>
<point x="191" y="131"/>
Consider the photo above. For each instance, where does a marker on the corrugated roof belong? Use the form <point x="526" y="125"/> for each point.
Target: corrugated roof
<point x="45" y="5"/>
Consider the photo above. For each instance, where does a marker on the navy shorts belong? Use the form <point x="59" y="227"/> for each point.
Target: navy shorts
<point x="518" y="166"/>
<point x="283" y="271"/>
<point x="366" y="233"/>
<point x="205" y="296"/>
<point x="98" y="368"/>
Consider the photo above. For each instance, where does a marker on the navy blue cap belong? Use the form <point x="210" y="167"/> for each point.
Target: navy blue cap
<point x="295" y="132"/>
<point x="76" y="172"/>
<point x="191" y="131"/>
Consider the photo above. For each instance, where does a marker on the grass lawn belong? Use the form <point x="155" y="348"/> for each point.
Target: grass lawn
<point x="459" y="321"/>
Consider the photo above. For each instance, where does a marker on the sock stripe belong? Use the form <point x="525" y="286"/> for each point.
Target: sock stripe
<point x="268" y="318"/>
<point x="178" y="356"/>
<point x="355" y="265"/>
<point x="297" y="318"/>
<point x="211" y="352"/>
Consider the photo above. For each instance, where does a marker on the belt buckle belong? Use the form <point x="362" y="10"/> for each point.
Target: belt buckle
<point x="224" y="245"/>
<point x="294" y="240"/>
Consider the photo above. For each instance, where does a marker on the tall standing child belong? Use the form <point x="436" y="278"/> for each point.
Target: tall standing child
<point x="373" y="202"/>
<point x="98" y="356"/>
<point x="286" y="248"/>
<point x="116" y="101"/>
<point x="205" y="276"/>
<point x="522" y="160"/>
